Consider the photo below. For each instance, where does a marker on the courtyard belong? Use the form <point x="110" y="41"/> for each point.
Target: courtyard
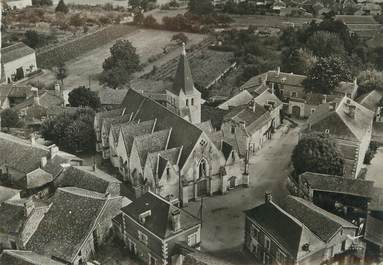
<point x="222" y="232"/>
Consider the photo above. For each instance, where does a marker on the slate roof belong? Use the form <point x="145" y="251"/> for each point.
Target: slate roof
<point x="159" y="159"/>
<point x="146" y="109"/>
<point x="242" y="98"/>
<point x="159" y="220"/>
<point x="14" y="52"/>
<point x="322" y="223"/>
<point x="67" y="224"/>
<point x="109" y="96"/>
<point x="226" y="149"/>
<point x="374" y="230"/>
<point x="149" y="143"/>
<point x="130" y="130"/>
<point x="22" y="257"/>
<point x="183" y="80"/>
<point x="339" y="123"/>
<point x="370" y="100"/>
<point x="85" y="178"/>
<point x="336" y="184"/>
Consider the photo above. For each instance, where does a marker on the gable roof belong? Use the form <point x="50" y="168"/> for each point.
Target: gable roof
<point x="37" y="178"/>
<point x="7" y="193"/>
<point x="158" y="160"/>
<point x="322" y="223"/>
<point x="67" y="224"/>
<point x="370" y="100"/>
<point x="337" y="184"/>
<point x="14" y="52"/>
<point x="46" y="99"/>
<point x="130" y="130"/>
<point x="85" y="177"/>
<point x="12" y="216"/>
<point x="183" y="80"/>
<point x="339" y="123"/>
<point x="374" y="230"/>
<point x="242" y="98"/>
<point x="159" y="220"/>
<point x="145" y="109"/>
<point x="109" y="96"/>
<point x="22" y="257"/>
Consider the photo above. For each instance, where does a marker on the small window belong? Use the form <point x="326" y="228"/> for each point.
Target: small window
<point x="267" y="243"/>
<point x="142" y="237"/>
<point x="327" y="131"/>
<point x="254" y="232"/>
<point x="344" y="245"/>
<point x="187" y="102"/>
<point x="203" y="142"/>
<point x="192" y="239"/>
<point x="294" y="94"/>
<point x="312" y="110"/>
<point x="232" y="129"/>
<point x="168" y="172"/>
<point x="192" y="101"/>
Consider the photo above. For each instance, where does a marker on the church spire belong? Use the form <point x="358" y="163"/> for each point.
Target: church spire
<point x="183" y="79"/>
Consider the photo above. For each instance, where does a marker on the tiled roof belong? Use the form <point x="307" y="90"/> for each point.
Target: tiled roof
<point x="7" y="193"/>
<point x="58" y="110"/>
<point x="370" y="100"/>
<point x="289" y="79"/>
<point x="339" y="123"/>
<point x="146" y="109"/>
<point x="159" y="220"/>
<point x="22" y="257"/>
<point x="242" y="98"/>
<point x="316" y="99"/>
<point x="36" y="178"/>
<point x="109" y="96"/>
<point x="14" y="52"/>
<point x="215" y="115"/>
<point x="46" y="99"/>
<point x="12" y="216"/>
<point x="68" y="222"/>
<point x="336" y="184"/>
<point x="322" y="223"/>
<point x="374" y="230"/>
<point x="85" y="178"/>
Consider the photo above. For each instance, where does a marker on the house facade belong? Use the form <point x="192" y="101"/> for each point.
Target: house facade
<point x="350" y="124"/>
<point x="18" y="61"/>
<point x="309" y="235"/>
<point x="155" y="231"/>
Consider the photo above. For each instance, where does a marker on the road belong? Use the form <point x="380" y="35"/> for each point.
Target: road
<point x="223" y="219"/>
<point x="375" y="169"/>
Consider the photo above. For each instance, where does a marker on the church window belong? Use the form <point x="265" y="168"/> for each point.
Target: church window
<point x="187" y="102"/>
<point x="192" y="101"/>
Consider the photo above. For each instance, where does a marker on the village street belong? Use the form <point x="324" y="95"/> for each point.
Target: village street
<point x="223" y="219"/>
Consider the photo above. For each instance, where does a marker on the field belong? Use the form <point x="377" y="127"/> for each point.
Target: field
<point x="269" y="21"/>
<point x="85" y="68"/>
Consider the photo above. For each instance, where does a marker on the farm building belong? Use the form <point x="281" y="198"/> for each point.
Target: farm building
<point x="18" y="4"/>
<point x="18" y="61"/>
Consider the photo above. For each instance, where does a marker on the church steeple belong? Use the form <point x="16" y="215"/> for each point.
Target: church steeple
<point x="183" y="79"/>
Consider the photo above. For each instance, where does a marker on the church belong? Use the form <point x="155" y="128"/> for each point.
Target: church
<point x="160" y="147"/>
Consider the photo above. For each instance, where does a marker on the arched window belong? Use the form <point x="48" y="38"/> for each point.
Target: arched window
<point x="187" y="102"/>
<point x="192" y="101"/>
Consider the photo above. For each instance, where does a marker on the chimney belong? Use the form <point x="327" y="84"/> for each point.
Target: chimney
<point x="44" y="161"/>
<point x="253" y="106"/>
<point x="278" y="71"/>
<point x="272" y="88"/>
<point x="176" y="219"/>
<point x="35" y="92"/>
<point x="355" y="82"/>
<point x="53" y="150"/>
<point x="324" y="99"/>
<point x="28" y="207"/>
<point x="183" y="49"/>
<point x="94" y="166"/>
<point x="268" y="197"/>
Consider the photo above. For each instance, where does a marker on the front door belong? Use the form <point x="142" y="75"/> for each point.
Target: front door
<point x="202" y="188"/>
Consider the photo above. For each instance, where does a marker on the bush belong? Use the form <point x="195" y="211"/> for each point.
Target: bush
<point x="61" y="7"/>
<point x="371" y="151"/>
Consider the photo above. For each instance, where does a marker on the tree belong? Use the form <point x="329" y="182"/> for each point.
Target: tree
<point x="326" y="74"/>
<point x="61" y="72"/>
<point x="201" y="7"/>
<point x="150" y="22"/>
<point x="36" y="40"/>
<point x="83" y="97"/>
<point x="317" y="153"/>
<point x="123" y="62"/>
<point x="180" y="38"/>
<point x="9" y="118"/>
<point x="138" y="18"/>
<point x="76" y="20"/>
<point x="61" y="7"/>
<point x="297" y="61"/>
<point x="72" y="133"/>
<point x="370" y="80"/>
<point x="324" y="44"/>
<point x="42" y="2"/>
